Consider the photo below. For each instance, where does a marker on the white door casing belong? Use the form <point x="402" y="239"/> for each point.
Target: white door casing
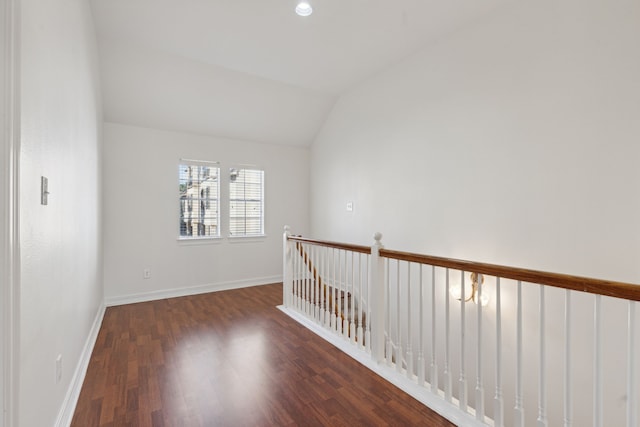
<point x="9" y="246"/>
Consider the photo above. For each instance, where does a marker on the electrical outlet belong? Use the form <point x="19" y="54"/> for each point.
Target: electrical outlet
<point x="146" y="273"/>
<point x="349" y="206"/>
<point x="58" y="368"/>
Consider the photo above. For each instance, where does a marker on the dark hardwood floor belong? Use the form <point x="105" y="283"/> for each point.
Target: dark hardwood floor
<point x="230" y="359"/>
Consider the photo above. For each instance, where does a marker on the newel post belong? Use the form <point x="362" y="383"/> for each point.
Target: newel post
<point x="377" y="300"/>
<point x="287" y="269"/>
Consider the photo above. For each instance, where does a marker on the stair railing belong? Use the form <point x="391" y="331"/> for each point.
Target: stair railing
<point x="437" y="326"/>
<point x="328" y="284"/>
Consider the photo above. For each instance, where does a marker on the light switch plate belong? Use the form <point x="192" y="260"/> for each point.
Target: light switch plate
<point x="349" y="206"/>
<point x="44" y="190"/>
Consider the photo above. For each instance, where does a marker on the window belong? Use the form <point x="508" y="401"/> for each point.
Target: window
<point x="199" y="191"/>
<point x="246" y="202"/>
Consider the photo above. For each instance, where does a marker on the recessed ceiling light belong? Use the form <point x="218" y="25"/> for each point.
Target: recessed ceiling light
<point x="304" y="9"/>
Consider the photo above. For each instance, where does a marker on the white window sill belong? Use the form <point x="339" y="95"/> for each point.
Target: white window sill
<point x="199" y="240"/>
<point x="247" y="239"/>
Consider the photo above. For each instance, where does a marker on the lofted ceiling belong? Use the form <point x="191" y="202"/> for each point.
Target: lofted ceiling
<point x="253" y="69"/>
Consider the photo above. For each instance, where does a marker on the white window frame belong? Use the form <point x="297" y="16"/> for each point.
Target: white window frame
<point x="202" y="202"/>
<point x="238" y="169"/>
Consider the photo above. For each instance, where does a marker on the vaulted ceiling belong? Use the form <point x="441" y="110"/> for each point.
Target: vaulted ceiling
<point x="253" y="69"/>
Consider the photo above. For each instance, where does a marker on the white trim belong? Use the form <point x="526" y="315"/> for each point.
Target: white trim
<point x="73" y="393"/>
<point x="9" y="219"/>
<point x="199" y="162"/>
<point x="5" y="277"/>
<point x="448" y="410"/>
<point x="199" y="240"/>
<point x="192" y="290"/>
<point x="249" y="238"/>
<point x="244" y="166"/>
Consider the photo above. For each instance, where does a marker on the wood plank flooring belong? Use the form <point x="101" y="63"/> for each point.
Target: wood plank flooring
<point x="230" y="359"/>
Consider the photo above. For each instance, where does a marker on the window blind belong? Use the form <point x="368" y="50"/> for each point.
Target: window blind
<point x="246" y="197"/>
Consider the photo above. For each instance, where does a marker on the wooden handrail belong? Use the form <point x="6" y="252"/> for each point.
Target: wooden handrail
<point x="608" y="288"/>
<point x="583" y="284"/>
<point x="346" y="246"/>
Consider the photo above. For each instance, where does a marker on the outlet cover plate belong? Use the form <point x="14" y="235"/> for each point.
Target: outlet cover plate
<point x="58" y="368"/>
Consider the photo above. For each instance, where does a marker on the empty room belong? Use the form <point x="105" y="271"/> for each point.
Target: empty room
<point x="322" y="212"/>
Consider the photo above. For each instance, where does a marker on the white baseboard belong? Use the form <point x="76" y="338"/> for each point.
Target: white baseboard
<point x="73" y="393"/>
<point x="193" y="290"/>
<point x="436" y="403"/>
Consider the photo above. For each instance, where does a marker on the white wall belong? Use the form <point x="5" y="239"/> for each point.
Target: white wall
<point x="163" y="91"/>
<point x="61" y="289"/>
<point x="514" y="141"/>
<point x="141" y="211"/>
<point x="522" y="129"/>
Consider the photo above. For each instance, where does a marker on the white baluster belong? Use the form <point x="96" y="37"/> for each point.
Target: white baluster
<point x="597" y="363"/>
<point x="409" y="322"/>
<point x="313" y="273"/>
<point x="315" y="280"/>
<point x="360" y="333"/>
<point x="352" y="324"/>
<point x="498" y="412"/>
<point x="632" y="400"/>
<point x="348" y="295"/>
<point x="519" y="409"/>
<point x="303" y="285"/>
<point x="420" y="358"/>
<point x="287" y="279"/>
<point x="324" y="260"/>
<point x="463" y="379"/>
<point x="318" y="286"/>
<point x="568" y="399"/>
<point x="479" y="379"/>
<point x="345" y="311"/>
<point x="340" y="294"/>
<point x="294" y="275"/>
<point x="399" y="355"/>
<point x="542" y="388"/>
<point x="339" y="269"/>
<point x="326" y="289"/>
<point x="387" y="290"/>
<point x="301" y="277"/>
<point x="447" y="341"/>
<point x="368" y="283"/>
<point x="310" y="280"/>
<point x="301" y="280"/>
<point x="334" y="308"/>
<point x="307" y="283"/>
<point x="298" y="279"/>
<point x="434" y="363"/>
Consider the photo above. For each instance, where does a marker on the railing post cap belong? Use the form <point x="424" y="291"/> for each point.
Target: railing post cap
<point x="377" y="237"/>
<point x="287" y="228"/>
